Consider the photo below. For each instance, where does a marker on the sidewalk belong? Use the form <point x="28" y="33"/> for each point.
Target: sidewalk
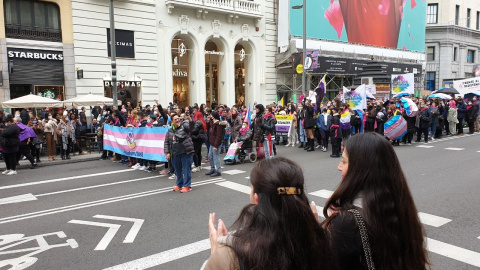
<point x="25" y="164"/>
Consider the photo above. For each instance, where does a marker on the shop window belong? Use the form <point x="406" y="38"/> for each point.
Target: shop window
<point x="432" y="13"/>
<point x="471" y="56"/>
<point x="49" y="91"/>
<point x="430" y="53"/>
<point x="28" y="19"/>
<point x="430" y="81"/>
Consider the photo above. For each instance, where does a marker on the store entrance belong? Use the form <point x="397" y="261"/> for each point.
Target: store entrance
<point x="211" y="72"/>
<point x="240" y="56"/>
<point x="180" y="71"/>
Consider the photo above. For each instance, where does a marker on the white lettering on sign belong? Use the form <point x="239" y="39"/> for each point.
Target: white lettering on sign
<point x="126" y="83"/>
<point x="214" y="52"/>
<point x="180" y="73"/>
<point x="35" y="55"/>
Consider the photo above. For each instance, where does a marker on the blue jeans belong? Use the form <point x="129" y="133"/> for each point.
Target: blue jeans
<point x="303" y="135"/>
<point x="225" y="144"/>
<point x="182" y="164"/>
<point x="214" y="157"/>
<point x="433" y="127"/>
<point x="267" y="145"/>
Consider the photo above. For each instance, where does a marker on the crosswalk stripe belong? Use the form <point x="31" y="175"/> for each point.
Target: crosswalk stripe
<point x="235" y="186"/>
<point x="454" y="149"/>
<point x="425" y="146"/>
<point x="234" y="172"/>
<point x="432" y="220"/>
<point x="322" y="193"/>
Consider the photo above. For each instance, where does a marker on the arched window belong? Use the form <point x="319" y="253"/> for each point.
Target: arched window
<point x="28" y="19"/>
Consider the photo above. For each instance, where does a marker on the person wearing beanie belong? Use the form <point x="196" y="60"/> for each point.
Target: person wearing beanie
<point x="335" y="133"/>
<point x="216" y="133"/>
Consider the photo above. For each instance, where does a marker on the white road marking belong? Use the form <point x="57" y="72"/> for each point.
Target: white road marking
<point x="234" y="172"/>
<point x="322" y="193"/>
<point x="248" y="177"/>
<point x="432" y="220"/>
<point x="65" y="179"/>
<point x="425" y="146"/>
<point x="98" y="202"/>
<point x="19" y="198"/>
<point x="137" y="224"/>
<point x="235" y="186"/>
<point x="453" y="252"/>
<point x="164" y="257"/>
<point x="107" y="238"/>
<point x="454" y="149"/>
<point x="96" y="186"/>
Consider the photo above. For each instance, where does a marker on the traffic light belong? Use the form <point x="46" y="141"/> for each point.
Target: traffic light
<point x="122" y="85"/>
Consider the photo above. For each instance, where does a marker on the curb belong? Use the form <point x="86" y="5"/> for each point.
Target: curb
<point x="53" y="163"/>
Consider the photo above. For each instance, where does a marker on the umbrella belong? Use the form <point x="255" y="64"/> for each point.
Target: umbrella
<point x="448" y="90"/>
<point x="440" y="96"/>
<point x="31" y="101"/>
<point x="470" y="95"/>
<point x="402" y="94"/>
<point x="89" y="100"/>
<point x="410" y="107"/>
<point x="27" y="132"/>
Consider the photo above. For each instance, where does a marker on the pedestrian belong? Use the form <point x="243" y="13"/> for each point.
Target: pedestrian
<point x="179" y="148"/>
<point x="257" y="125"/>
<point x="66" y="130"/>
<point x="309" y="125"/>
<point x="83" y="117"/>
<point x="199" y="136"/>
<point x="476" y="103"/>
<point x="236" y="121"/>
<point x="38" y="141"/>
<point x="216" y="133"/>
<point x="292" y="132"/>
<point x="423" y="122"/>
<point x="10" y="145"/>
<point x="381" y="115"/>
<point x="269" y="132"/>
<point x="461" y="114"/>
<point x="472" y="112"/>
<point x="277" y="230"/>
<point x="452" y="116"/>
<point x="324" y="122"/>
<point x="371" y="119"/>
<point x="25" y="116"/>
<point x="50" y="131"/>
<point x="407" y="139"/>
<point x="335" y="133"/>
<point x="392" y="237"/>
<point x="25" y="137"/>
<point x="228" y="130"/>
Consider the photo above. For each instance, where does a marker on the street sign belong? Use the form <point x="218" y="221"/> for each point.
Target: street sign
<point x="112" y="229"/>
<point x="300" y="69"/>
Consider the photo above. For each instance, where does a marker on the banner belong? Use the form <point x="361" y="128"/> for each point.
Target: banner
<point x="371" y="88"/>
<point x="284" y="124"/>
<point x="403" y="83"/>
<point x="145" y="143"/>
<point x="357" y="99"/>
<point x="471" y="85"/>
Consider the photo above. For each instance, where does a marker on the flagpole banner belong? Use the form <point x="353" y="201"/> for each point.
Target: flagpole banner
<point x="470" y="85"/>
<point x="357" y="99"/>
<point x="284" y="124"/>
<point x="144" y="142"/>
<point x="403" y="83"/>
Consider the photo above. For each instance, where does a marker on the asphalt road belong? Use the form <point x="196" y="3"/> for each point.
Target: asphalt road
<point x="67" y="215"/>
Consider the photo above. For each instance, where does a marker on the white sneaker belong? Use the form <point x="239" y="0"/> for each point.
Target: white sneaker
<point x="142" y="168"/>
<point x="199" y="168"/>
<point x="172" y="177"/>
<point x="12" y="172"/>
<point x="194" y="169"/>
<point x="136" y="166"/>
<point x="193" y="166"/>
<point x="6" y="172"/>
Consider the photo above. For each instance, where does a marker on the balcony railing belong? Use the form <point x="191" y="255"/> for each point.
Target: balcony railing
<point x="232" y="7"/>
<point x="35" y="33"/>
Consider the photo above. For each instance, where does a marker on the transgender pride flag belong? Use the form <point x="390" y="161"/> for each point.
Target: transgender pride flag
<point x="144" y="142"/>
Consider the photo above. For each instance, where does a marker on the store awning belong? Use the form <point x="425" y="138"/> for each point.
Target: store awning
<point x="89" y="100"/>
<point x="31" y="101"/>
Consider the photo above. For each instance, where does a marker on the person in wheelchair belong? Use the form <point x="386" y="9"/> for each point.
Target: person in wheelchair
<point x="245" y="137"/>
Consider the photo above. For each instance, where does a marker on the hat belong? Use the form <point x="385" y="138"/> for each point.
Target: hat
<point x="153" y="117"/>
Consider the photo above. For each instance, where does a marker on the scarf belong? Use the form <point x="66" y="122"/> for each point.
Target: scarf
<point x="65" y="135"/>
<point x="268" y="115"/>
<point x="243" y="130"/>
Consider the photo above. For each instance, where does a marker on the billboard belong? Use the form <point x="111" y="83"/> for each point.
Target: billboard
<point x="384" y="23"/>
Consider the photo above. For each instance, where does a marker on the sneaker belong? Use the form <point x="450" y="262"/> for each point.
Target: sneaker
<point x="210" y="172"/>
<point x="142" y="168"/>
<point x="136" y="166"/>
<point x="163" y="172"/>
<point x="403" y="143"/>
<point x="194" y="169"/>
<point x="173" y="176"/>
<point x="6" y="172"/>
<point x="149" y="169"/>
<point x="185" y="189"/>
<point x="324" y="149"/>
<point x="193" y="166"/>
<point x="33" y="166"/>
<point x="409" y="143"/>
<point x="82" y="153"/>
<point x="12" y="173"/>
<point x="215" y="174"/>
<point x="199" y="168"/>
<point x="177" y="188"/>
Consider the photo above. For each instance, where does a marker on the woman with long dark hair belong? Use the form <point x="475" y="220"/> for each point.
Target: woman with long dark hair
<point x="277" y="230"/>
<point x="374" y="185"/>
<point x="199" y="136"/>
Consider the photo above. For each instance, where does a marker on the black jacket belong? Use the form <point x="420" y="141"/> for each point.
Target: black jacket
<point x="472" y="113"/>
<point x="335" y="130"/>
<point x="424" y="118"/>
<point x="269" y="125"/>
<point x="9" y="138"/>
<point x="181" y="135"/>
<point x="309" y="117"/>
<point x="198" y="134"/>
<point x="25" y="116"/>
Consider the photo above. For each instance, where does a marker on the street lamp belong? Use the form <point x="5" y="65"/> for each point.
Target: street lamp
<point x="113" y="52"/>
<point x="304" y="6"/>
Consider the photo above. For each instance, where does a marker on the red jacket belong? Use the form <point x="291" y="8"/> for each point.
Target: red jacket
<point x="216" y="133"/>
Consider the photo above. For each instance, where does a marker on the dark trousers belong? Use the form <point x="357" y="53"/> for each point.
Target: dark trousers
<point x="197" y="147"/>
<point x="10" y="160"/>
<point x="460" y="126"/>
<point x="423" y="131"/>
<point x="408" y="137"/>
<point x="26" y="151"/>
<point x="471" y="126"/>
<point x="325" y="134"/>
<point x="336" y="145"/>
<point x="447" y="127"/>
<point x="67" y="151"/>
<point x="380" y="128"/>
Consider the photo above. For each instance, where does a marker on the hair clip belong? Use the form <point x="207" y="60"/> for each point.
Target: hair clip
<point x="289" y="191"/>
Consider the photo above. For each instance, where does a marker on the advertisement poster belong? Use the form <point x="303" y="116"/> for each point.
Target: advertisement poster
<point x="382" y="23"/>
<point x="403" y="83"/>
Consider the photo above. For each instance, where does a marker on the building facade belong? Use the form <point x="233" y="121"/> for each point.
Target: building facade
<point x="36" y="49"/>
<point x="344" y="38"/>
<point x="187" y="51"/>
<point x="452" y="41"/>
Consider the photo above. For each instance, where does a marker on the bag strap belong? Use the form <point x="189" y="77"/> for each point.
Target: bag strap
<point x="364" y="236"/>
